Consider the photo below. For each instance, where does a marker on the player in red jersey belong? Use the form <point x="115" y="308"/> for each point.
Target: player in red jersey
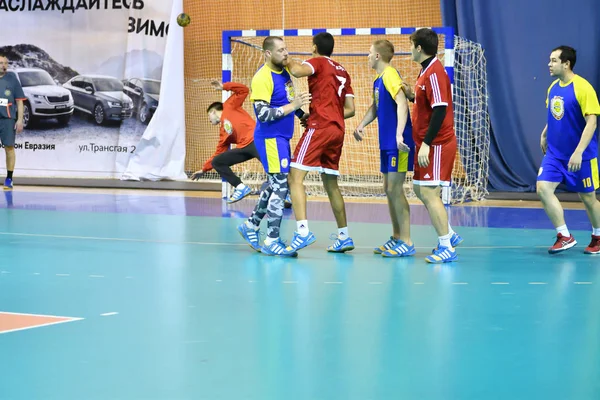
<point x="435" y="140"/>
<point x="320" y="147"/>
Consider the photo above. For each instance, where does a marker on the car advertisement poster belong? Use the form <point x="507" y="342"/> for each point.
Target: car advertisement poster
<point x="91" y="73"/>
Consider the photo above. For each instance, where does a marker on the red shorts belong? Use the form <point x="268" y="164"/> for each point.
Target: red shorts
<point x="441" y="163"/>
<point x="319" y="150"/>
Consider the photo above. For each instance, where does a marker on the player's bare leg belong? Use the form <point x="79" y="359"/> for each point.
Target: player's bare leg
<point x="343" y="242"/>
<point x="399" y="244"/>
<point x="303" y="237"/>
<point x="592" y="207"/>
<point x="393" y="185"/>
<point x="298" y="193"/>
<point x="554" y="210"/>
<point x="430" y="196"/>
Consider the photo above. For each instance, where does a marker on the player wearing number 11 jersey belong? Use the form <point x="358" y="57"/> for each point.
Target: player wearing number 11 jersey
<point x="320" y="147"/>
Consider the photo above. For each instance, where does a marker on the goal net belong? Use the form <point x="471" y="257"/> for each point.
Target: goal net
<point x="359" y="167"/>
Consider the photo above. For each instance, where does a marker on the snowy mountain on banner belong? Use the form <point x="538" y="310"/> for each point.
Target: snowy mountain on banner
<point x="30" y="56"/>
<point x="134" y="64"/>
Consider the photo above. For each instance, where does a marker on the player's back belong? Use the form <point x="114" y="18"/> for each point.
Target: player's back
<point x="328" y="85"/>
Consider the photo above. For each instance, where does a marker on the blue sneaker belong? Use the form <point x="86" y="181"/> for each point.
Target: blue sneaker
<point x="8" y="184"/>
<point x="341" y="246"/>
<point x="455" y="240"/>
<point x="250" y="235"/>
<point x="386" y="246"/>
<point x="287" y="203"/>
<point x="300" y="242"/>
<point x="401" y="249"/>
<point x="442" y="255"/>
<point x="278" y="248"/>
<point x="239" y="194"/>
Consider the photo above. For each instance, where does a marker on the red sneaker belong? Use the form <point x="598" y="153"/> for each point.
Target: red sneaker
<point x="562" y="243"/>
<point x="594" y="246"/>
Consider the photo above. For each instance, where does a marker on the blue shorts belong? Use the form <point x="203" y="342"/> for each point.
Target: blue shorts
<point x="393" y="161"/>
<point x="583" y="181"/>
<point x="274" y="154"/>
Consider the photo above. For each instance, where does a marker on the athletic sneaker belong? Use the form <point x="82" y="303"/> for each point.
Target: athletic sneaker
<point x="594" y="246"/>
<point x="278" y="248"/>
<point x="239" y="194"/>
<point x="386" y="246"/>
<point x="455" y="240"/>
<point x="442" y="255"/>
<point x="250" y="235"/>
<point x="300" y="242"/>
<point x="341" y="246"/>
<point x="287" y="203"/>
<point x="562" y="243"/>
<point x="401" y="249"/>
<point x="8" y="185"/>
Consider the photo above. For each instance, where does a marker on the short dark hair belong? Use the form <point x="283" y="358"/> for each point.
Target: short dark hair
<point x="324" y="42"/>
<point x="427" y="39"/>
<point x="269" y="42"/>
<point x="217" y="105"/>
<point x="567" y="53"/>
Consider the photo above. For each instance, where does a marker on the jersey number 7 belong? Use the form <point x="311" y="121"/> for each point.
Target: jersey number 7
<point x="342" y="84"/>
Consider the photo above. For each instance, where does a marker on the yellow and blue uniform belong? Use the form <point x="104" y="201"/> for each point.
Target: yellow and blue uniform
<point x="272" y="139"/>
<point x="568" y="104"/>
<point x="385" y="88"/>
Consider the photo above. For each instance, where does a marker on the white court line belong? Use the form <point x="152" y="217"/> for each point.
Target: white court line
<point x="333" y="283"/>
<point x="538" y="283"/>
<point x="460" y="283"/>
<point x="108" y="314"/>
<point x="4" y="272"/>
<point x="419" y="283"/>
<point x="251" y="281"/>
<point x="500" y="283"/>
<point x="582" y="283"/>
<point x="63" y="274"/>
<point x="96" y="276"/>
<point x="213" y="243"/>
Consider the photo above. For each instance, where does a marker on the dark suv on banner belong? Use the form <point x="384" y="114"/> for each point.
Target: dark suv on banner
<point x="145" y="94"/>
<point x="100" y="96"/>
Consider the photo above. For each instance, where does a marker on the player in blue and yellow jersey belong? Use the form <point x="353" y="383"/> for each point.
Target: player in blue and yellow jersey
<point x="275" y="103"/>
<point x="570" y="145"/>
<point x="396" y="145"/>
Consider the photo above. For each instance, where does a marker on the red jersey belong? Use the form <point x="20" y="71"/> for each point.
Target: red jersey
<point x="237" y="126"/>
<point x="329" y="86"/>
<point x="432" y="89"/>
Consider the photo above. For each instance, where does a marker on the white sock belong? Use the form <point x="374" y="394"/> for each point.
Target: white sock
<point x="595" y="231"/>
<point x="450" y="230"/>
<point x="302" y="227"/>
<point x="343" y="233"/>
<point x="240" y="186"/>
<point x="445" y="241"/>
<point x="269" y="240"/>
<point x="563" y="230"/>
<point x="251" y="225"/>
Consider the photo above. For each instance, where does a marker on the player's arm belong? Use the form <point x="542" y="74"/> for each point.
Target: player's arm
<point x="19" y="98"/>
<point x="586" y="137"/>
<point x="369" y="117"/>
<point x="544" y="139"/>
<point x="300" y="70"/>
<point x="240" y="92"/>
<point x="349" y="110"/>
<point x="266" y="113"/>
<point x="402" y="112"/>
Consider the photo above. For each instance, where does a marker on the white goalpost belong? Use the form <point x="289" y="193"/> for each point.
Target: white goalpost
<point x="464" y="62"/>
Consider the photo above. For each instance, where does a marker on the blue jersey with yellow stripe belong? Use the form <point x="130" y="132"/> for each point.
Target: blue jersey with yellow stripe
<point x="568" y="104"/>
<point x="276" y="88"/>
<point x="385" y="88"/>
